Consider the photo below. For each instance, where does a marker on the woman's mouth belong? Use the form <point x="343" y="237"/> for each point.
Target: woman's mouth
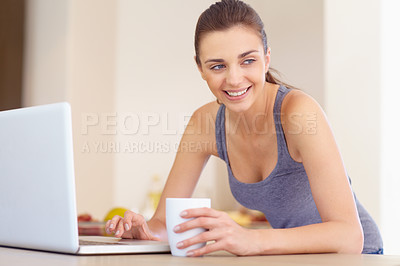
<point x="237" y="94"/>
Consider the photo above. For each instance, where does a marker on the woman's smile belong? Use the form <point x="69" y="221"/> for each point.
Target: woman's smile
<point x="235" y="95"/>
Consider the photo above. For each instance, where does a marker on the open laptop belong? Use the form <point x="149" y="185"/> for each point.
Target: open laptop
<point x="37" y="186"/>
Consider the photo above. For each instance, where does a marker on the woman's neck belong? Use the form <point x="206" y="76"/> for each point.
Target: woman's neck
<point x="254" y="120"/>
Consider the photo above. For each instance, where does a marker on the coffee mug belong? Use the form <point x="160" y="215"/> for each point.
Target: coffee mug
<point x="174" y="207"/>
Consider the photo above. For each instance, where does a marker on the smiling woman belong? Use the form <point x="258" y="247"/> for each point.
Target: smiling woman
<point x="276" y="163"/>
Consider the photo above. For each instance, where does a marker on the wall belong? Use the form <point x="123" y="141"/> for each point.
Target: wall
<point x="390" y="110"/>
<point x="352" y="95"/>
<point x="45" y="52"/>
<point x="295" y="32"/>
<point x="69" y="52"/>
<point x="92" y="92"/>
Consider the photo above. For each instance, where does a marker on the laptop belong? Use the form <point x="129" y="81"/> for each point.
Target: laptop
<point x="37" y="186"/>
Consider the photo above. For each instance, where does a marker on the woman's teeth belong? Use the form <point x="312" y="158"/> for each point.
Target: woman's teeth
<point x="234" y="94"/>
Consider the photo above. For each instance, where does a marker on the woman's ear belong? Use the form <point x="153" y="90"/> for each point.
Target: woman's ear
<point x="199" y="67"/>
<point x="267" y="59"/>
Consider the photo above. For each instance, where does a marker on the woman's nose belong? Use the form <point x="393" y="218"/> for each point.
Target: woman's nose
<point x="234" y="76"/>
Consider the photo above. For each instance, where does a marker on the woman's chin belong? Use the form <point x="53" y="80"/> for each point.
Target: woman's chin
<point x="238" y="107"/>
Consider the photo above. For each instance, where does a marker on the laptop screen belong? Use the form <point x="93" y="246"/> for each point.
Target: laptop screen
<point x="37" y="184"/>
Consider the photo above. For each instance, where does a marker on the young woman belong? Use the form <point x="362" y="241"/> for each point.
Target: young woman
<point x="280" y="152"/>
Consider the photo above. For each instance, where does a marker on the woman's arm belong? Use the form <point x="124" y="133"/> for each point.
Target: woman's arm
<point x="310" y="141"/>
<point x="196" y="146"/>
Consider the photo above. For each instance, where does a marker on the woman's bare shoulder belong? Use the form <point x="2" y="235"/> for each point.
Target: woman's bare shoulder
<point x="303" y="121"/>
<point x="204" y="117"/>
<point x="200" y="132"/>
<point x="298" y="100"/>
<point x="298" y="108"/>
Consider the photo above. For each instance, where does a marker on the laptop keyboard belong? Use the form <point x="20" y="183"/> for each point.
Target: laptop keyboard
<point x="95" y="243"/>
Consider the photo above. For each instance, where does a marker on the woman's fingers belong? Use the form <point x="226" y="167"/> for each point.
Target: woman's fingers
<point x="127" y="220"/>
<point x="200" y="238"/>
<point x="203" y="217"/>
<point x="117" y="223"/>
<point x="197" y="212"/>
<point x="133" y="225"/>
<point x="119" y="230"/>
<point x="203" y="222"/>
<point x="111" y="225"/>
<point x="226" y="233"/>
<point x="206" y="249"/>
<point x="132" y="219"/>
<point x="107" y="226"/>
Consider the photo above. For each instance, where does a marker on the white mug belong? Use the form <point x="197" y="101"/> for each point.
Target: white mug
<point x="174" y="207"/>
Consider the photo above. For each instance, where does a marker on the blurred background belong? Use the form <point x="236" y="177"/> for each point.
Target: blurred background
<point x="127" y="69"/>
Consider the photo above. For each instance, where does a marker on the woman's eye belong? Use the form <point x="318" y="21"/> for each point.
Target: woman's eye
<point x="217" y="67"/>
<point x="248" y="61"/>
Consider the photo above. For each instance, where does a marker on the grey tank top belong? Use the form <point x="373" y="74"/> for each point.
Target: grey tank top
<point x="285" y="196"/>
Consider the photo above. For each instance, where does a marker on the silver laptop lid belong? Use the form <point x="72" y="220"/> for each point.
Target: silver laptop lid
<point x="37" y="185"/>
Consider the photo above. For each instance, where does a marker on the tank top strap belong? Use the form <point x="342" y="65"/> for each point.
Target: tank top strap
<point x="280" y="135"/>
<point x="220" y="133"/>
<point x="280" y="95"/>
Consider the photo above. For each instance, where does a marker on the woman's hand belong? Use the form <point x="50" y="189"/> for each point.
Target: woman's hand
<point x="226" y="233"/>
<point x="132" y="225"/>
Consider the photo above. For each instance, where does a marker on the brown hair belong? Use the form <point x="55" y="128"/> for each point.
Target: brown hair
<point x="226" y="14"/>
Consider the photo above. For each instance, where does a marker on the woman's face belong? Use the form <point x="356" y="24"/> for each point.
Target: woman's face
<point x="233" y="64"/>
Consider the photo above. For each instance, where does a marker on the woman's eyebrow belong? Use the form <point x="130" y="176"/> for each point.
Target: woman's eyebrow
<point x="222" y="60"/>
<point x="247" y="53"/>
<point x="214" y="60"/>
